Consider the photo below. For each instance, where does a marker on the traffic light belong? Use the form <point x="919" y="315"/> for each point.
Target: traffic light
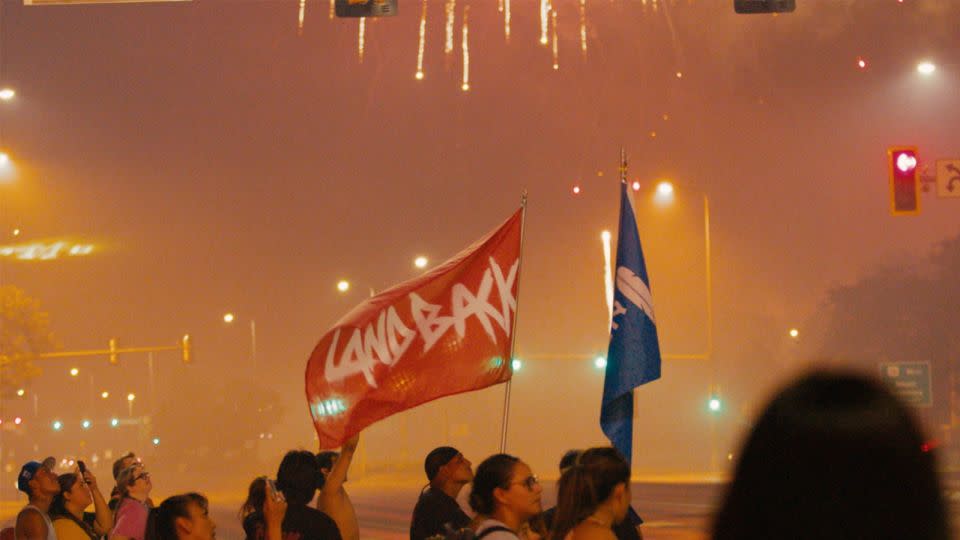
<point x="113" y="352"/>
<point x="714" y="404"/>
<point x="186" y="349"/>
<point x="904" y="183"/>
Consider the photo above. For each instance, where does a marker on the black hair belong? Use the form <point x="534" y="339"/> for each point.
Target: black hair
<point x="495" y="472"/>
<point x="175" y="507"/>
<point x="256" y="496"/>
<point x="325" y="460"/>
<point x="59" y="505"/>
<point x="569" y="459"/>
<point x="834" y="455"/>
<point x="297" y="477"/>
<point x="585" y="484"/>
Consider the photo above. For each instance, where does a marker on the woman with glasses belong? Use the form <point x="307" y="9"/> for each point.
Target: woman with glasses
<point x="593" y="496"/>
<point x="505" y="496"/>
<point x="77" y="492"/>
<point x="130" y="520"/>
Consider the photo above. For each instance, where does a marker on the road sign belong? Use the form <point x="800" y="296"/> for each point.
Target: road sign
<point x="948" y="178"/>
<point x="910" y="381"/>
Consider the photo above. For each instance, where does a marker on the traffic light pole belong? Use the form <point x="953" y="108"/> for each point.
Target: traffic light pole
<point x="185" y="347"/>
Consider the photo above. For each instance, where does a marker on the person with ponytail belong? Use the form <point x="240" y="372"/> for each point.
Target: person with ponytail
<point x="505" y="496"/>
<point x="593" y="496"/>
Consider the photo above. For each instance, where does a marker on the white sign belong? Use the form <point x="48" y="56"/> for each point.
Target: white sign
<point x="948" y="178"/>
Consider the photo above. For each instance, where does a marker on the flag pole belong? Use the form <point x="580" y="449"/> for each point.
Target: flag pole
<point x="513" y="329"/>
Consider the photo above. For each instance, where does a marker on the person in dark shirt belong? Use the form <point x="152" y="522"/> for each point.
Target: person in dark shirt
<point x="437" y="508"/>
<point x="297" y="480"/>
<point x="628" y="529"/>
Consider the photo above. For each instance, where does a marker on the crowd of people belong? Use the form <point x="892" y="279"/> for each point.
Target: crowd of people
<point x="833" y="456"/>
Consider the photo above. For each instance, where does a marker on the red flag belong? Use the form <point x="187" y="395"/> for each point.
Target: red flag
<point x="443" y="333"/>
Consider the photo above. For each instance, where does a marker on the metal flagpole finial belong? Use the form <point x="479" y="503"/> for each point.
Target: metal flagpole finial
<point x="523" y="199"/>
<point x="623" y="165"/>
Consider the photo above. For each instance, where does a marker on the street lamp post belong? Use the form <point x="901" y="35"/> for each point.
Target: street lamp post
<point x="664" y="195"/>
<point x="229" y="318"/>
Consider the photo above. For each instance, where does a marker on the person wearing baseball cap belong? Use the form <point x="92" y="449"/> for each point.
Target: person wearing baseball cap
<point x="437" y="508"/>
<point x="39" y="482"/>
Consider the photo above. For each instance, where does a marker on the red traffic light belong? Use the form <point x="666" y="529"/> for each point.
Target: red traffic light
<point x="904" y="185"/>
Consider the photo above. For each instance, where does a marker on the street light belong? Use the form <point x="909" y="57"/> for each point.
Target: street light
<point x="7" y="93"/>
<point x="104" y="394"/>
<point x="794" y="333"/>
<point x="74" y="372"/>
<point x="665" y="195"/>
<point x="926" y="68"/>
<point x="343" y="285"/>
<point x="229" y="318"/>
<point x="420" y="262"/>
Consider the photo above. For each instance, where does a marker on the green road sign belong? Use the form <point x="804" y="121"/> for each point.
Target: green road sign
<point x="909" y="380"/>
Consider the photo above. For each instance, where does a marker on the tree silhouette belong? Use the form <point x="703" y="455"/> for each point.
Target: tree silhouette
<point x="24" y="334"/>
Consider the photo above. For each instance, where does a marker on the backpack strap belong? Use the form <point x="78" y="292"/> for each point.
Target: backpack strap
<point x="495" y="528"/>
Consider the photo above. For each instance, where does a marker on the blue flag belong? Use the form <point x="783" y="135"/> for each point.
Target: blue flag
<point x="634" y="354"/>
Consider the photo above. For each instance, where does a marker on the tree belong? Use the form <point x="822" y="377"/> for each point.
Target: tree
<point x="24" y="334"/>
<point x="899" y="313"/>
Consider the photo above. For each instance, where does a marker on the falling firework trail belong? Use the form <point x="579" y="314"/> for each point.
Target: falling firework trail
<point x="553" y="23"/>
<point x="583" y="26"/>
<point x="506" y="20"/>
<point x="607" y="276"/>
<point x="360" y="37"/>
<point x="303" y="9"/>
<point x="544" y="15"/>
<point x="333" y="8"/>
<point x="466" y="52"/>
<point x="500" y="6"/>
<point x="450" y="8"/>
<point x="423" y="40"/>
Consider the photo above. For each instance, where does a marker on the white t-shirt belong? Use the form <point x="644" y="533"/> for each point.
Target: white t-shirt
<point x="495" y="535"/>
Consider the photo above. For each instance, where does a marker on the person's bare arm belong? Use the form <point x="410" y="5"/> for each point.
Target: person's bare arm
<point x="104" y="517"/>
<point x="338" y="474"/>
<point x="30" y="525"/>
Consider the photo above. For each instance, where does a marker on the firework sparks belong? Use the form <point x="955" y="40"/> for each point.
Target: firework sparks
<point x="333" y="8"/>
<point x="544" y="20"/>
<point x="506" y="20"/>
<point x="303" y="9"/>
<point x="466" y="52"/>
<point x="553" y="24"/>
<point x="607" y="275"/>
<point x="423" y="40"/>
<point x="450" y="9"/>
<point x="583" y="26"/>
<point x="360" y="37"/>
<point x="500" y="6"/>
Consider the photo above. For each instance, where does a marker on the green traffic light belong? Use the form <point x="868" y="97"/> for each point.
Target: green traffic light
<point x="714" y="404"/>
